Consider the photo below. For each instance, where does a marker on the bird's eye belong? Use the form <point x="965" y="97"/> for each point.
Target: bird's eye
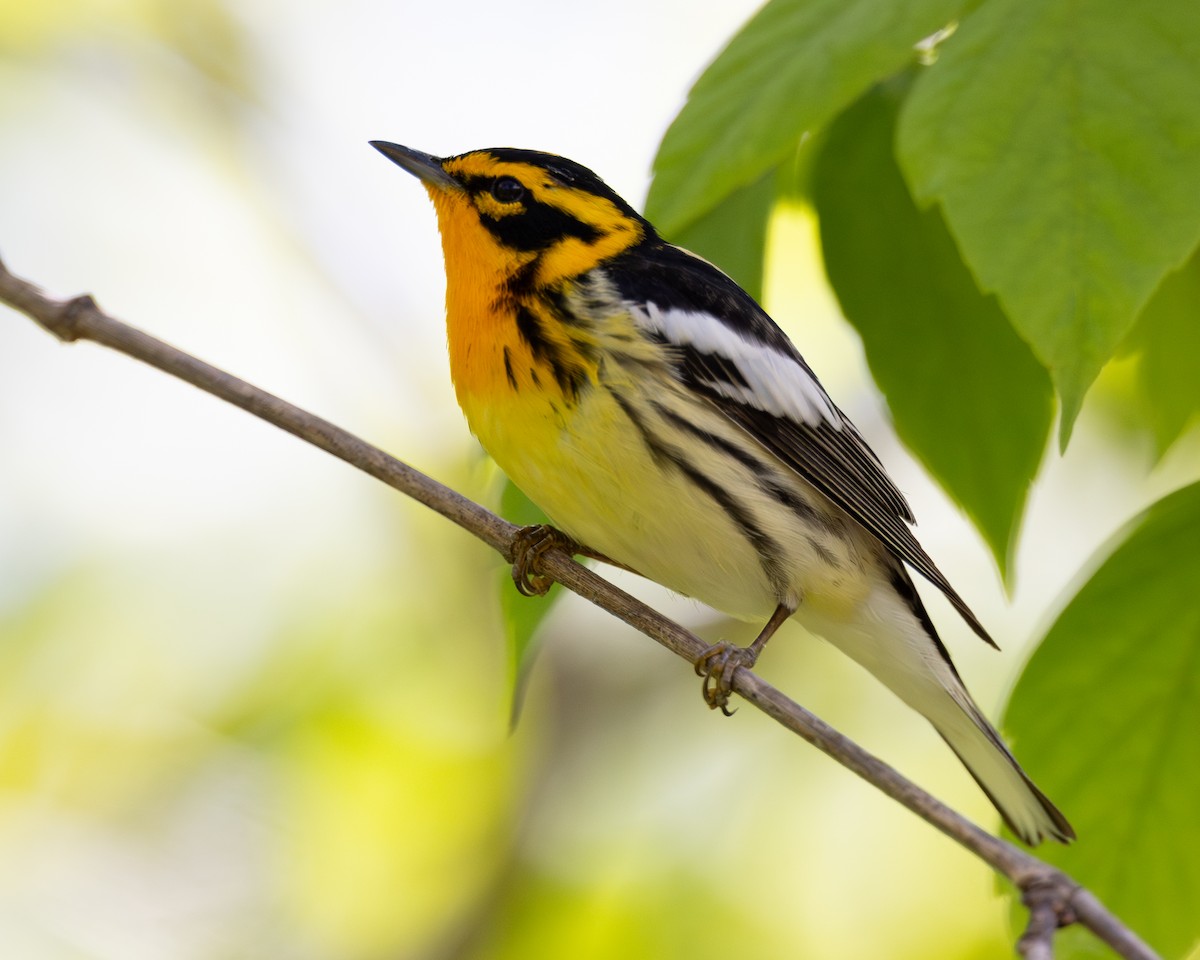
<point x="508" y="190"/>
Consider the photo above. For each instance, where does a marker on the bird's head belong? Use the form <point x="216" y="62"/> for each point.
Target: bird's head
<point x="511" y="211"/>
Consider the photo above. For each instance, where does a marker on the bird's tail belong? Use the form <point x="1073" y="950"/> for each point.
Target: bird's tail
<point x="894" y="638"/>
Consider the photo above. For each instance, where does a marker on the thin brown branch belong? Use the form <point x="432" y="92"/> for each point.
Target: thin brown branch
<point x="1054" y="899"/>
<point x="1047" y="912"/>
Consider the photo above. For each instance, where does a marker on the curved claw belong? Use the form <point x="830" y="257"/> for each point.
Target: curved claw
<point x="527" y="549"/>
<point x="716" y="666"/>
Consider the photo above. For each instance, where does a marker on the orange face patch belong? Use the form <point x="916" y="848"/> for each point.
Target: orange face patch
<point x="512" y="244"/>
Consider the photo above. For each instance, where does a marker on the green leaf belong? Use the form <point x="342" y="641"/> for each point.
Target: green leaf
<point x="792" y="67"/>
<point x="522" y="615"/>
<point x="1167" y="336"/>
<point x="966" y="393"/>
<point x="1106" y="717"/>
<point x="1063" y="141"/>
<point x="733" y="234"/>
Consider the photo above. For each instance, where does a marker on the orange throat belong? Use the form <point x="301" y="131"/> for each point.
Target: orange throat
<point x="480" y="315"/>
<point x="508" y="344"/>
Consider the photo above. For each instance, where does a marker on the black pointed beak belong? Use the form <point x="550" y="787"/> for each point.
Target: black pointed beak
<point x="423" y="166"/>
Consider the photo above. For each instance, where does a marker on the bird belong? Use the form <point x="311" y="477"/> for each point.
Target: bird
<point x="663" y="421"/>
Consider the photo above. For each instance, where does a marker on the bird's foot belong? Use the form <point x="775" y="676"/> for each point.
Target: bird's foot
<point x="528" y="547"/>
<point x="717" y="665"/>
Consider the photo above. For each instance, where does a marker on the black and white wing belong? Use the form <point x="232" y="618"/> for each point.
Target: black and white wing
<point x="731" y="352"/>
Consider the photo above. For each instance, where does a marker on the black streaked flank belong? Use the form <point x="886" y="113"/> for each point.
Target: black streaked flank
<point x="657" y="453"/>
<point x="763" y="475"/>
<point x="840" y="465"/>
<point x="761" y="471"/>
<point x="770" y="554"/>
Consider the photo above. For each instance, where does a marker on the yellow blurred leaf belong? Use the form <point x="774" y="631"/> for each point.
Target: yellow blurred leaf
<point x="389" y="832"/>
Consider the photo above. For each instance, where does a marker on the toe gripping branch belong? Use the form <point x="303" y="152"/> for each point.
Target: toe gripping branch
<point x="528" y="546"/>
<point x="532" y="542"/>
<point x="718" y="664"/>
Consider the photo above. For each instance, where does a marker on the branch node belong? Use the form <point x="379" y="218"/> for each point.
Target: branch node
<point x="67" y="327"/>
<point x="1048" y="899"/>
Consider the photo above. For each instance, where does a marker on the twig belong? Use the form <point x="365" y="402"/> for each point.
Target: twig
<point x="1053" y="898"/>
<point x="1047" y="912"/>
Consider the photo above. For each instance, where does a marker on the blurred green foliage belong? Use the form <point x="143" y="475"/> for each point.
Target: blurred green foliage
<point x="1163" y="339"/>
<point x="952" y="368"/>
<point x="1110" y="705"/>
<point x="785" y="73"/>
<point x="735" y="232"/>
<point x="1061" y="148"/>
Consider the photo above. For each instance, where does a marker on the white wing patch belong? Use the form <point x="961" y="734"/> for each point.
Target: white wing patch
<point x="774" y="382"/>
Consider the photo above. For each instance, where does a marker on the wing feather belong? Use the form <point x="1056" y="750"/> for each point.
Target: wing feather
<point x="728" y="350"/>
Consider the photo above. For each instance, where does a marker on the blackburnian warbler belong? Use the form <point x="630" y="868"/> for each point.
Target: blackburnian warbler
<point x="658" y="416"/>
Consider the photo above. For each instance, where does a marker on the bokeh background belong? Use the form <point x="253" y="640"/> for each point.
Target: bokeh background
<point x="253" y="704"/>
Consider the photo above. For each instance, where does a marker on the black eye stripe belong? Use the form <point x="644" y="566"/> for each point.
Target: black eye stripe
<point x="537" y="227"/>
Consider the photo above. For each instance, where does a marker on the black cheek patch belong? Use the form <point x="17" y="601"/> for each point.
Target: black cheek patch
<point x="538" y="227"/>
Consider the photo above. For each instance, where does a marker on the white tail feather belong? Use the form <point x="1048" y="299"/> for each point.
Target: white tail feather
<point x="892" y="642"/>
